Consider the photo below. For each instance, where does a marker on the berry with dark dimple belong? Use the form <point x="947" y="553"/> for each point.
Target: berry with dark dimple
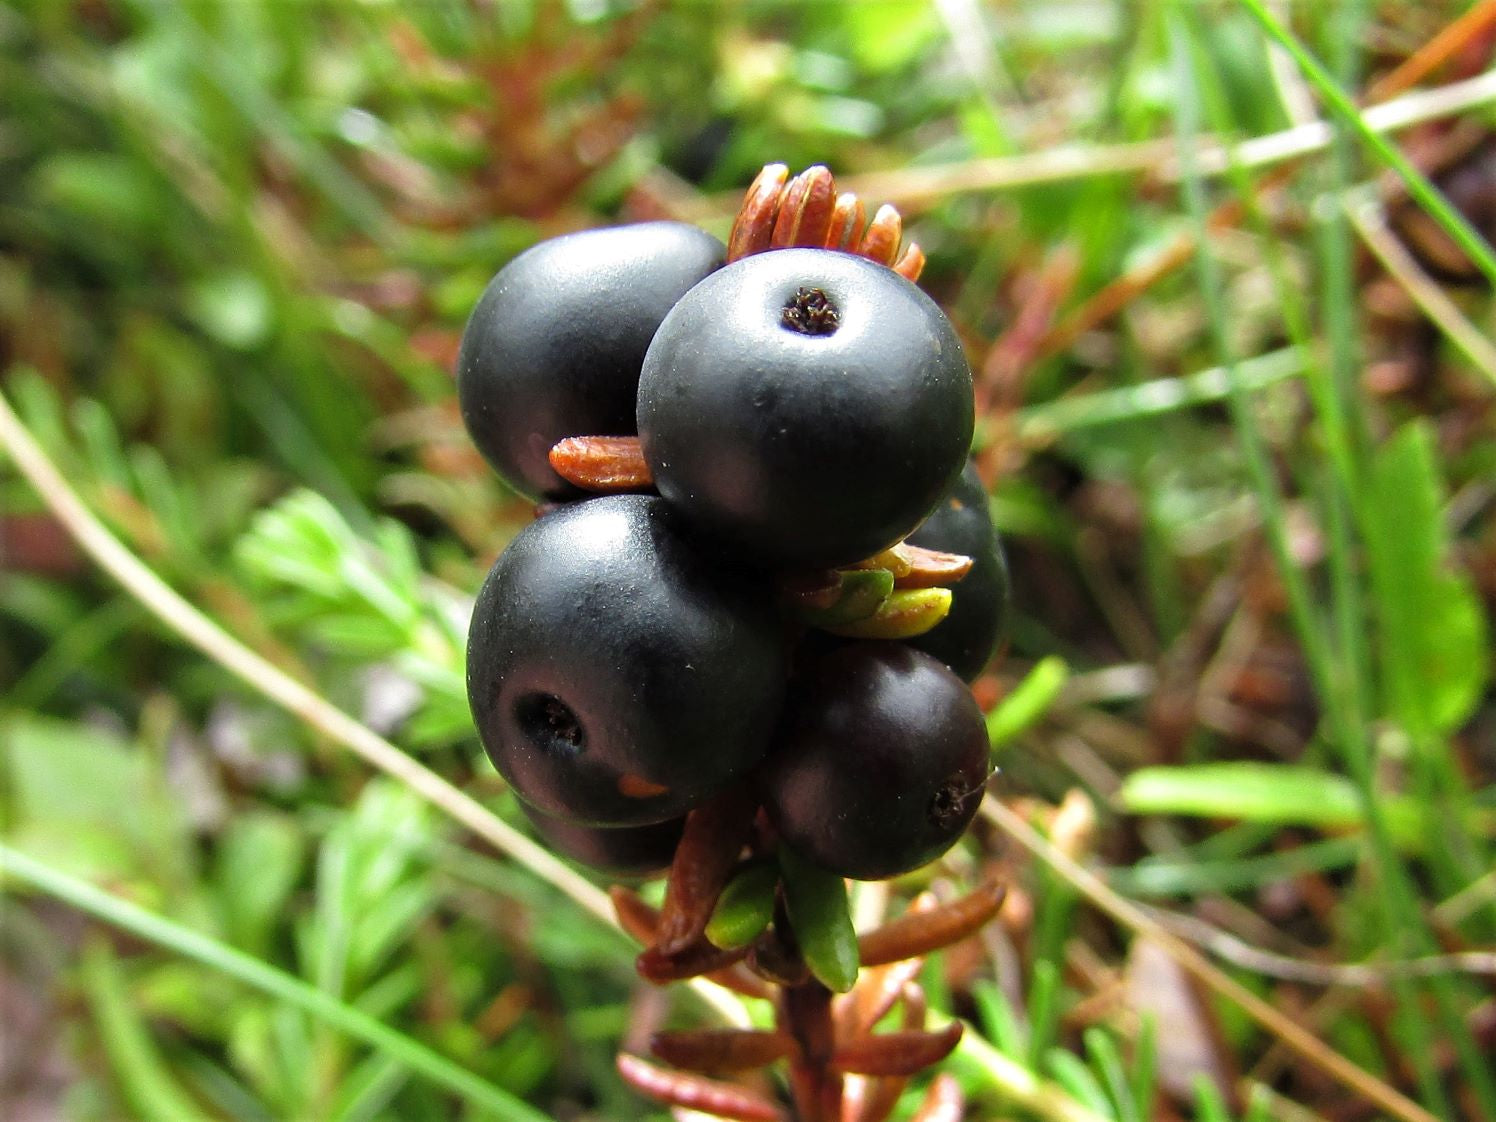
<point x="617" y="672"/>
<point x="618" y="851"/>
<point x="554" y="347"/>
<point x="880" y="762"/>
<point x="810" y="405"/>
<point x="962" y="523"/>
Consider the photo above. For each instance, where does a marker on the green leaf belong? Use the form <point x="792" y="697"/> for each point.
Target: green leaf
<point x="1432" y="637"/>
<point x="120" y="823"/>
<point x="147" y="1083"/>
<point x="259" y="862"/>
<point x="233" y="307"/>
<point x="817" y="904"/>
<point x="1258" y="792"/>
<point x="1028" y="702"/>
<point x="862" y="592"/>
<point x="745" y="907"/>
<point x="1252" y="791"/>
<point x="906" y="613"/>
<point x="1072" y="1074"/>
<point x="890" y="34"/>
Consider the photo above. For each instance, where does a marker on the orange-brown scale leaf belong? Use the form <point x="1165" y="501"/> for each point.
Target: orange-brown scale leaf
<point x="893" y="559"/>
<point x="602" y="463"/>
<point x="805" y="210"/>
<point x="911" y="263"/>
<point x="637" y="918"/>
<point x="705" y="859"/>
<point x="847" y="218"/>
<point x="810" y="591"/>
<point x="931" y="568"/>
<point x="878" y="990"/>
<point x="896" y="1053"/>
<point x="873" y="1098"/>
<point x="691" y="961"/>
<point x="944" y="1101"/>
<point x="754" y="225"/>
<point x="916" y="1005"/>
<point x="721" y="1051"/>
<point x="724" y="1100"/>
<point x="741" y="980"/>
<point x="919" y="933"/>
<point x="880" y="241"/>
<point x="877" y="1096"/>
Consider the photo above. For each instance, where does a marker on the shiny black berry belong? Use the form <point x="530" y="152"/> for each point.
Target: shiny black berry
<point x="966" y="639"/>
<point x="880" y="763"/>
<point x="812" y="406"/>
<point x="554" y="347"/>
<point x="618" y="851"/>
<point x="617" y="673"/>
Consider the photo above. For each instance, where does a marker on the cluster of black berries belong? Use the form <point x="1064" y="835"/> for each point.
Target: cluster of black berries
<point x="800" y="413"/>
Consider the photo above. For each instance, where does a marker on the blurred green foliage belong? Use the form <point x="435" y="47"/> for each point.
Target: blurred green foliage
<point x="238" y="240"/>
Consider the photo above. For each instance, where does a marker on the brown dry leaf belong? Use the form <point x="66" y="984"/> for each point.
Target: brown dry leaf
<point x="1185" y="1030"/>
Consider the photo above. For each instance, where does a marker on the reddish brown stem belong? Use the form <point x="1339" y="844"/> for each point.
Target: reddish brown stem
<point x="777" y="959"/>
<point x="695" y="1093"/>
<point x="602" y="463"/>
<point x="897" y="1053"/>
<point x="721" y="1051"/>
<point x="805" y="1014"/>
<point x="705" y="858"/>
<point x="919" y="933"/>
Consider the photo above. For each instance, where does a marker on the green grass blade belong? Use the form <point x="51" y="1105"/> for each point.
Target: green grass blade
<point x="1154" y="398"/>
<point x="1106" y="1058"/>
<point x="1342" y="106"/>
<point x="147" y="1084"/>
<point x="1029" y="701"/>
<point x="268" y="979"/>
<point x="1191" y="876"/>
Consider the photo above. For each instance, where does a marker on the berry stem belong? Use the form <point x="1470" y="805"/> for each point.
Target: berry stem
<point x="804" y="1013"/>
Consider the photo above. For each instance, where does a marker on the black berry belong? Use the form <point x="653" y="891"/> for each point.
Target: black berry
<point x="617" y="673"/>
<point x="554" y="347"/>
<point x="618" y="851"/>
<point x="880" y="763"/>
<point x="811" y="405"/>
<point x="966" y="639"/>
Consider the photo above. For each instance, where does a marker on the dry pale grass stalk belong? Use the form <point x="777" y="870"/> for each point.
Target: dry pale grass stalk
<point x="1369" y="219"/>
<point x="913" y="187"/>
